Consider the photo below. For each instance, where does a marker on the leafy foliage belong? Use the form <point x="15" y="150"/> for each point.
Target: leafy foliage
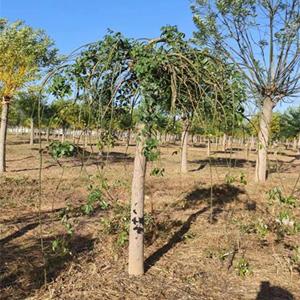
<point x="58" y="149"/>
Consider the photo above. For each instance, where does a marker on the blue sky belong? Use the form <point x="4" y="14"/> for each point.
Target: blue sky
<point x="72" y="23"/>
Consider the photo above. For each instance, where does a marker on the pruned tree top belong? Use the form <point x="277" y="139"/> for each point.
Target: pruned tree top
<point x="260" y="37"/>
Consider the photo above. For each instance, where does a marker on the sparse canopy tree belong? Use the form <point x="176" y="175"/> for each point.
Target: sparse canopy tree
<point x="262" y="39"/>
<point x="23" y="52"/>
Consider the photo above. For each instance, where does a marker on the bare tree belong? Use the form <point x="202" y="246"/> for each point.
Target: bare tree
<point x="262" y="39"/>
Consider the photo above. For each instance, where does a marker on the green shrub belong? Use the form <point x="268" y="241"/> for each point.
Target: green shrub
<point x="276" y="195"/>
<point x="58" y="149"/>
<point x="95" y="197"/>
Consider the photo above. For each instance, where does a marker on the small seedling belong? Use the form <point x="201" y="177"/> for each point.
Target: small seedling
<point x="60" y="246"/>
<point x="229" y="179"/>
<point x="261" y="228"/>
<point x="276" y="195"/>
<point x="157" y="172"/>
<point x="243" y="178"/>
<point x="243" y="267"/>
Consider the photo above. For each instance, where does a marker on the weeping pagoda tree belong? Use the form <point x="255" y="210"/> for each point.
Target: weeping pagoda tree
<point x="24" y="53"/>
<point x="173" y="80"/>
<point x="162" y="76"/>
<point x="261" y="38"/>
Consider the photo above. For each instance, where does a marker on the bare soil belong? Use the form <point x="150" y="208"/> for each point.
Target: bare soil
<point x="204" y="233"/>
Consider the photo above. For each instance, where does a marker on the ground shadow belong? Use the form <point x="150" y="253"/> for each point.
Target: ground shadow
<point x="199" y="146"/>
<point x="20" y="159"/>
<point x="84" y="159"/>
<point x="222" y="162"/>
<point x="33" y="217"/>
<point x="268" y="292"/>
<point x="221" y="195"/>
<point x="22" y="267"/>
<point x="18" y="233"/>
<point x="175" y="239"/>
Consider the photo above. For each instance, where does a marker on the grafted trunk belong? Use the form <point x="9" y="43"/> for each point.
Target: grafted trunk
<point x="263" y="140"/>
<point x="136" y="231"/>
<point x="3" y="133"/>
<point x="31" y="132"/>
<point x="184" y="146"/>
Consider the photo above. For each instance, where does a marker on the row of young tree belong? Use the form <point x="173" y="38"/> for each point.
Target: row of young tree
<point x="69" y="116"/>
<point x="153" y="84"/>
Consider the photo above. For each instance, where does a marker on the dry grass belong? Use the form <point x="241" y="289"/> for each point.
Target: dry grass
<point x="193" y="251"/>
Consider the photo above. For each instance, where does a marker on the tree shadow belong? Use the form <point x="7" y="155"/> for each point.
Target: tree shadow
<point x="283" y="166"/>
<point x="224" y="162"/>
<point x="20" y="142"/>
<point x="22" y="266"/>
<point x="33" y="169"/>
<point x="111" y="157"/>
<point x="174" y="240"/>
<point x="20" y="159"/>
<point x="203" y="146"/>
<point x="221" y="195"/>
<point x="33" y="217"/>
<point x="295" y="155"/>
<point x="268" y="292"/>
<point x="18" y="233"/>
<point x="218" y="194"/>
<point x="84" y="158"/>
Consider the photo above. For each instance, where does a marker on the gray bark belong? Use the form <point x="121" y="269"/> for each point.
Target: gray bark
<point x="136" y="231"/>
<point x="31" y="132"/>
<point x="3" y="134"/>
<point x="263" y="140"/>
<point x="184" y="146"/>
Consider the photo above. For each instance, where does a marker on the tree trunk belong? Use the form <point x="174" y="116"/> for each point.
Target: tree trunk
<point x="263" y="140"/>
<point x="224" y="143"/>
<point x="295" y="144"/>
<point x="252" y="143"/>
<point x="47" y="134"/>
<point x="208" y="147"/>
<point x="184" y="146"/>
<point x="136" y="231"/>
<point x="85" y="135"/>
<point x="31" y="132"/>
<point x="3" y="133"/>
<point x="128" y="138"/>
<point x="298" y="152"/>
<point x="63" y="135"/>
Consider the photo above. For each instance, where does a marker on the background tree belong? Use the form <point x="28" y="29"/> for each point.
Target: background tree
<point x="262" y="39"/>
<point x="23" y="52"/>
<point x="27" y="106"/>
<point x="274" y="127"/>
<point x="290" y="123"/>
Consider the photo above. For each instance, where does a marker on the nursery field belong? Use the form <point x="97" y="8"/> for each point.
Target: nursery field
<point x="211" y="233"/>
